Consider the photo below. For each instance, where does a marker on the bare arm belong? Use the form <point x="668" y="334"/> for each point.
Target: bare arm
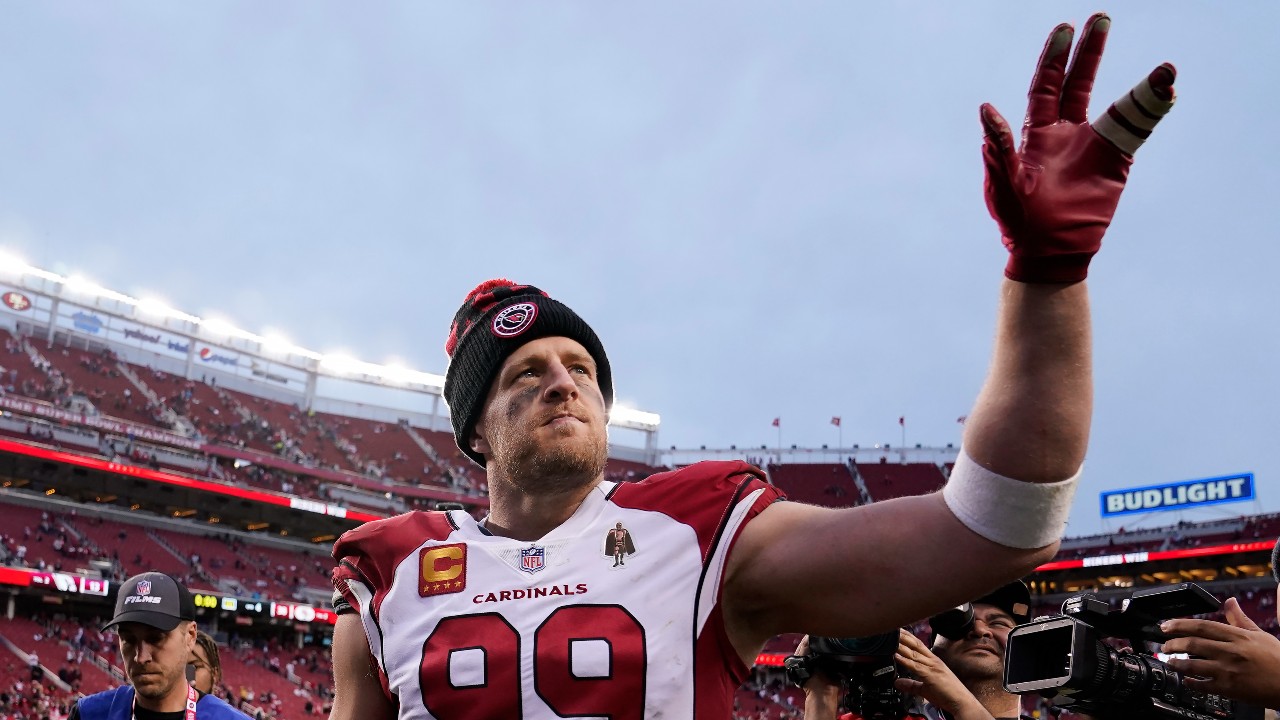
<point x="1031" y="420"/>
<point x="851" y="572"/>
<point x="357" y="691"/>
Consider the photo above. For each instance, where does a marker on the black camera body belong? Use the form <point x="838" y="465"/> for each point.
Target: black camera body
<point x="1064" y="657"/>
<point x="865" y="667"/>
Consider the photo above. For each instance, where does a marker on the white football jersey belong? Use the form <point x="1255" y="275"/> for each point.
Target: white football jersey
<point x="613" y="614"/>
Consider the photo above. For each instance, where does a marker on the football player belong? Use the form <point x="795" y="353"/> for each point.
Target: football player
<point x="520" y="615"/>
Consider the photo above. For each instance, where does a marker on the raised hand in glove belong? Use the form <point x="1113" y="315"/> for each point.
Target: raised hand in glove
<point x="1055" y="194"/>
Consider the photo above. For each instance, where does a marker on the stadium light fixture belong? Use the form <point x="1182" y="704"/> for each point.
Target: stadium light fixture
<point x="426" y="378"/>
<point x="334" y="363"/>
<point x="343" y="364"/>
<point x="622" y="413"/>
<point x="339" y="362"/>
<point x="161" y="309"/>
<point x="42" y="274"/>
<point x="396" y="372"/>
<point x="81" y="284"/>
<point x="275" y="342"/>
<point x="218" y="326"/>
<point x="85" y="286"/>
<point x="12" y="265"/>
<point x="309" y="354"/>
<point x="399" y="372"/>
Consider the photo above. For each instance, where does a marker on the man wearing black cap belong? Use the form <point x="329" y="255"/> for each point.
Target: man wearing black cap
<point x="522" y="614"/>
<point x="155" y="622"/>
<point x="975" y="654"/>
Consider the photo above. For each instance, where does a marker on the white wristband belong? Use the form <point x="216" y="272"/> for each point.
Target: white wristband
<point x="1010" y="512"/>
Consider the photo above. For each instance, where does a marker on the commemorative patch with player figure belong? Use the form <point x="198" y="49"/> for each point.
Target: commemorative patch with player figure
<point x="618" y="545"/>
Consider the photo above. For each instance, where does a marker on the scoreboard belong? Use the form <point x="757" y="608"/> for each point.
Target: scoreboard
<point x="266" y="609"/>
<point x="69" y="584"/>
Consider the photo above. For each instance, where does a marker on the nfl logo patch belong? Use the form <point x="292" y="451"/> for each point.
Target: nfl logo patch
<point x="533" y="559"/>
<point x="144" y="587"/>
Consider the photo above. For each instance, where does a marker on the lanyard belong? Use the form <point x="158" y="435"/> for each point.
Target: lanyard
<point x="192" y="697"/>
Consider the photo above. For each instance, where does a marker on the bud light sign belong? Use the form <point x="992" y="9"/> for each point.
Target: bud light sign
<point x="1179" y="496"/>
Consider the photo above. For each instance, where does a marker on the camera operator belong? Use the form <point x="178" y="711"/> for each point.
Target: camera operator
<point x="1236" y="658"/>
<point x="959" y="679"/>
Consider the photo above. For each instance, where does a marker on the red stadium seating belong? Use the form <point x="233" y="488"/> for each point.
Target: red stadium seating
<point x="267" y="423"/>
<point x="386" y="444"/>
<point x="886" y="480"/>
<point x="241" y="420"/>
<point x="249" y="673"/>
<point x="132" y="548"/>
<point x="285" y="570"/>
<point x="782" y="643"/>
<point x="97" y="376"/>
<point x="629" y="471"/>
<point x="23" y="529"/>
<point x="53" y="649"/>
<point x="204" y="554"/>
<point x="16" y="365"/>
<point x="773" y="702"/>
<point x="208" y="409"/>
<point x="827" y="484"/>
<point x="446" y="449"/>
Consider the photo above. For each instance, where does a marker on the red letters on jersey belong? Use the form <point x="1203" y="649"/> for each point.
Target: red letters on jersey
<point x="492" y="689"/>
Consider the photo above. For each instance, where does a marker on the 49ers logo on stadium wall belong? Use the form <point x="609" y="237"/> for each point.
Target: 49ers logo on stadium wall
<point x="514" y="320"/>
<point x="16" y="301"/>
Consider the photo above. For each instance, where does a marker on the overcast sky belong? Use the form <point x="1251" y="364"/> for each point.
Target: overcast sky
<point x="765" y="209"/>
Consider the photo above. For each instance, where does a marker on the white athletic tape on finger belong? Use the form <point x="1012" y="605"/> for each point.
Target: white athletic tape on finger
<point x="1010" y="512"/>
<point x="1139" y="109"/>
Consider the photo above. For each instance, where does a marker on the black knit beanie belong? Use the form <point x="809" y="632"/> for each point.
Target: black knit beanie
<point x="495" y="319"/>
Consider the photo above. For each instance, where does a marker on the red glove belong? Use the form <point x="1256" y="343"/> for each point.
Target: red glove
<point x="1054" y="196"/>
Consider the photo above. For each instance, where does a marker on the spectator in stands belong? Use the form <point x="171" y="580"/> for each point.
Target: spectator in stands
<point x="963" y="678"/>
<point x="206" y="662"/>
<point x="36" y="669"/>
<point x="155" y="620"/>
